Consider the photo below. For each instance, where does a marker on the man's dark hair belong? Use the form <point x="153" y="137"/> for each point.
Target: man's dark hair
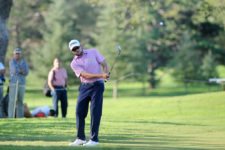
<point x="52" y="112"/>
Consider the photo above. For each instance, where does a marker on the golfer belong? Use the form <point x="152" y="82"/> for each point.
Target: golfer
<point x="91" y="67"/>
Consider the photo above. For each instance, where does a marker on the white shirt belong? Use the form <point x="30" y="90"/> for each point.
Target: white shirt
<point x="2" y="66"/>
<point x="44" y="109"/>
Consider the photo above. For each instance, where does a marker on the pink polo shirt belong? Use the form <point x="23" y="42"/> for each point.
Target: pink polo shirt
<point x="60" y="76"/>
<point x="89" y="62"/>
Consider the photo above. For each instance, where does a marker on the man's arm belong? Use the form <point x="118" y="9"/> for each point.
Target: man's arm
<point x="104" y="75"/>
<point x="24" y="69"/>
<point x="12" y="68"/>
<point x="105" y="67"/>
<point x="50" y="79"/>
<point x="66" y="83"/>
<point x="90" y="75"/>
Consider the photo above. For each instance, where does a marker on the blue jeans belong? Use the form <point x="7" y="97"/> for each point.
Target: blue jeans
<point x="92" y="93"/>
<point x="16" y="95"/>
<point x="60" y="94"/>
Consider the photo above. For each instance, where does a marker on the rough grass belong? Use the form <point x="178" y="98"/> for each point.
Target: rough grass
<point x="187" y="122"/>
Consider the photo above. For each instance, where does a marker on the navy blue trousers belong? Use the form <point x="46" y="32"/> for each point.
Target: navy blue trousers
<point x="93" y="93"/>
<point x="60" y="95"/>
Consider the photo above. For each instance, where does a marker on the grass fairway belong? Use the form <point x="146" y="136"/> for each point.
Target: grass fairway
<point x="192" y="122"/>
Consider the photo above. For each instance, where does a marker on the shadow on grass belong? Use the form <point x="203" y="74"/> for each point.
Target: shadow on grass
<point x="10" y="147"/>
<point x="36" y="129"/>
<point x="116" y="141"/>
<point x="120" y="142"/>
<point x="53" y="134"/>
<point x="158" y="122"/>
<point x="159" y="142"/>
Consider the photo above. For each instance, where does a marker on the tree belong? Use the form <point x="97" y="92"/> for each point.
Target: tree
<point x="64" y="21"/>
<point x="193" y="36"/>
<point x="211" y="14"/>
<point x="5" y="7"/>
<point x="208" y="67"/>
<point x="186" y="62"/>
<point x="146" y="34"/>
<point x="151" y="33"/>
<point x="118" y="24"/>
<point x="25" y="24"/>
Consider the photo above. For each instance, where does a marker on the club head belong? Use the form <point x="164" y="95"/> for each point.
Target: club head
<point x="118" y="48"/>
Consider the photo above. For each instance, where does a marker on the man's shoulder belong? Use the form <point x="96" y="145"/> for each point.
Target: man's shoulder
<point x="92" y="51"/>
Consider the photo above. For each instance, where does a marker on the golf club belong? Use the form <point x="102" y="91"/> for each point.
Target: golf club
<point x="118" y="50"/>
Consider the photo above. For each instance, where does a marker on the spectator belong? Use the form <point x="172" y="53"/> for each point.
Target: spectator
<point x="2" y="80"/>
<point x="57" y="81"/>
<point x="18" y="70"/>
<point x="42" y="111"/>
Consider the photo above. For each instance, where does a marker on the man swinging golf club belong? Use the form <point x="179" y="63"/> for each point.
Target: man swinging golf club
<point x="91" y="67"/>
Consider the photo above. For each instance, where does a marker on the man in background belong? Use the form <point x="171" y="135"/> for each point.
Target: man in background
<point x="18" y="70"/>
<point x="2" y="80"/>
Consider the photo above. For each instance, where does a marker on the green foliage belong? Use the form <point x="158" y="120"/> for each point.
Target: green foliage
<point x="209" y="67"/>
<point x="63" y="23"/>
<point x="221" y="71"/>
<point x="152" y="34"/>
<point x="25" y="22"/>
<point x="54" y="38"/>
<point x="195" y="35"/>
<point x="187" y="63"/>
<point x="213" y="11"/>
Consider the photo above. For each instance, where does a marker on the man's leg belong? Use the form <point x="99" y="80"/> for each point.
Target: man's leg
<point x="20" y="107"/>
<point x="11" y="105"/>
<point x="64" y="103"/>
<point x="55" y="102"/>
<point x="82" y="110"/>
<point x="96" y="110"/>
<point x="1" y="101"/>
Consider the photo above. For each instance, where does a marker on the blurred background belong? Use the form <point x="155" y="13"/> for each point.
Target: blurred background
<point x="172" y="45"/>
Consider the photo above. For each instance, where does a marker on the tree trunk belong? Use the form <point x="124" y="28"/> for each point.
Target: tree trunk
<point x="152" y="77"/>
<point x="3" y="40"/>
<point x="115" y="89"/>
<point x="5" y="7"/>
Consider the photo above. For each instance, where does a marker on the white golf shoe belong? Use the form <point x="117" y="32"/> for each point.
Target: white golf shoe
<point x="91" y="143"/>
<point x="78" y="142"/>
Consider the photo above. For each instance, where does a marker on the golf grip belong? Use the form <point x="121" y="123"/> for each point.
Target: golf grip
<point x="106" y="79"/>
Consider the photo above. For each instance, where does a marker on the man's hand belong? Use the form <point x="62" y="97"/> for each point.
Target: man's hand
<point x="21" y="71"/>
<point x="105" y="75"/>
